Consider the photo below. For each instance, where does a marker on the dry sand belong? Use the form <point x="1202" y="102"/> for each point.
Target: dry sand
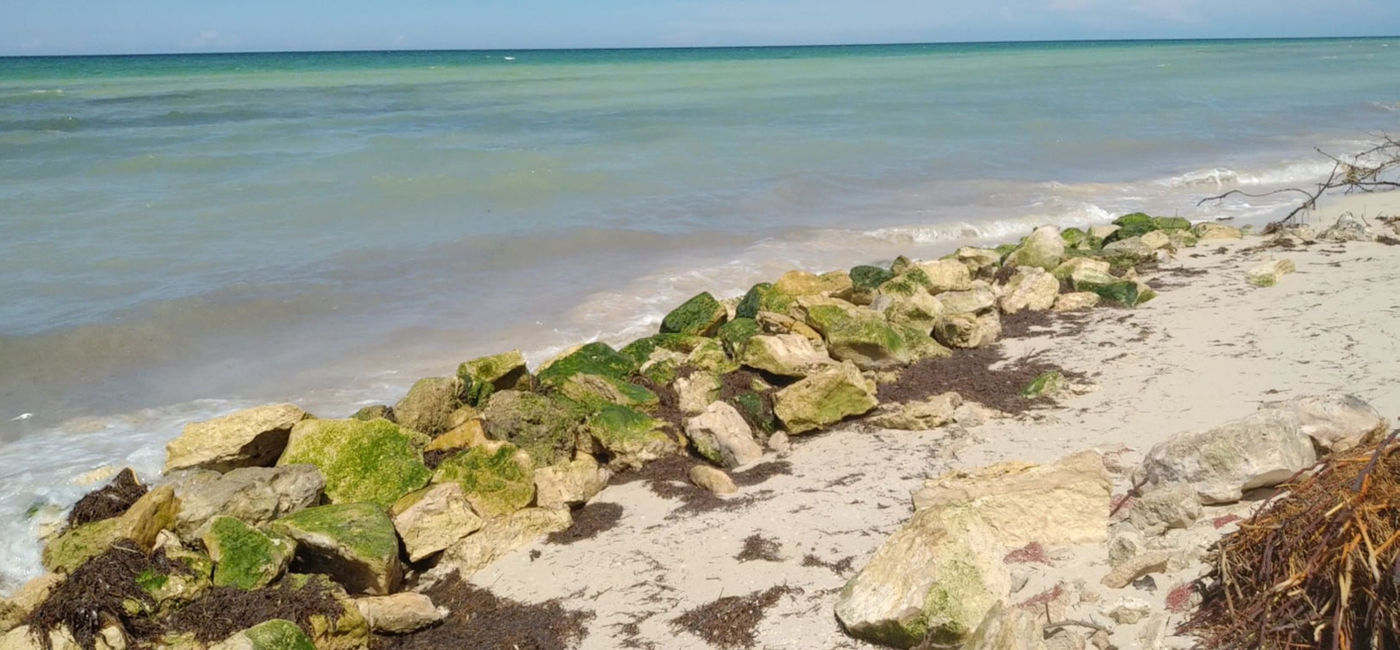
<point x="1208" y="350"/>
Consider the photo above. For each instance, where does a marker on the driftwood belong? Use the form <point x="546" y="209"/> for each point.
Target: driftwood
<point x="1368" y="171"/>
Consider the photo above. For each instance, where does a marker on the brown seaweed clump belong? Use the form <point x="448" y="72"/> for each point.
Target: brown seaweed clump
<point x="111" y="500"/>
<point x="731" y="621"/>
<point x="1318" y="567"/>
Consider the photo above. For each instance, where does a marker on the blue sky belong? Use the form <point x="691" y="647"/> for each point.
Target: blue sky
<point x="131" y="26"/>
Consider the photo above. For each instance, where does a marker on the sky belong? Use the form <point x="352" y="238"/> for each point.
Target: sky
<point x="34" y="27"/>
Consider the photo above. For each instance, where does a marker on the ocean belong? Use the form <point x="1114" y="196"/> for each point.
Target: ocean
<point x="183" y="235"/>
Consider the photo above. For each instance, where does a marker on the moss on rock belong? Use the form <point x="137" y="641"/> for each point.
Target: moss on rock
<point x="485" y="375"/>
<point x="354" y="543"/>
<point x="374" y="461"/>
<point x="429" y="404"/>
<point x="594" y="359"/>
<point x="76" y="546"/>
<point x="699" y="316"/>
<point x="496" y="479"/>
<point x="545" y="426"/>
<point x="277" y="634"/>
<point x="630" y="437"/>
<point x="245" y="557"/>
<point x="859" y="335"/>
<point x="734" y="333"/>
<point x="763" y="297"/>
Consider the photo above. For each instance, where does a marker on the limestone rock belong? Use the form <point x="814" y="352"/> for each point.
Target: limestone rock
<point x="1128" y="611"/>
<point x="1031" y="289"/>
<point x="14" y="609"/>
<point x="498" y="537"/>
<point x="735" y="332"/>
<point x="1133" y="568"/>
<point x="467" y="430"/>
<point x="930" y="413"/>
<point x="1348" y="228"/>
<point x="400" y="613"/>
<point x="979" y="261"/>
<point x="965" y="330"/>
<point x="695" y="391"/>
<point x="429" y="404"/>
<point x="245" y="557"/>
<point x="1059" y="504"/>
<point x="1164" y="507"/>
<point x="788" y="355"/>
<point x="496" y="478"/>
<point x="801" y="283"/>
<point x="433" y="519"/>
<point x="485" y="375"/>
<point x="1006" y="628"/>
<point x="1334" y="421"/>
<point x="1262" y="449"/>
<point x="248" y="438"/>
<point x="1103" y="231"/>
<point x="276" y="634"/>
<point x="774" y="323"/>
<point x="701" y="316"/>
<point x="1208" y="230"/>
<point x="1043" y="248"/>
<point x="1067" y="268"/>
<point x="255" y="495"/>
<point x="978" y="299"/>
<point x="631" y="437"/>
<point x="1129" y="251"/>
<point x="571" y="483"/>
<point x="152" y="513"/>
<point x="936" y="577"/>
<point x="712" y="479"/>
<point x="375" y="461"/>
<point x="857" y="334"/>
<point x="918" y="310"/>
<point x="1107" y="286"/>
<point x="764" y="297"/>
<point x="353" y="543"/>
<point x="591" y="359"/>
<point x="1155" y="239"/>
<point x="946" y="275"/>
<point x="721" y="435"/>
<point x="1076" y="301"/>
<point x="1125" y="545"/>
<point x="866" y="281"/>
<point x="824" y="398"/>
<point x="546" y="427"/>
<point x="1268" y="273"/>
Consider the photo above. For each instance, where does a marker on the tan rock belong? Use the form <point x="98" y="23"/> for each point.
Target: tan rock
<point x="824" y="398"/>
<point x="946" y="275"/>
<point x="695" y="392"/>
<point x="25" y="599"/>
<point x="1136" y="567"/>
<point x="1156" y="239"/>
<point x="930" y="413"/>
<point x="1205" y="231"/>
<point x="1076" y="300"/>
<point x="498" y="537"/>
<point x="1006" y="628"/>
<point x="722" y="436"/>
<point x="1268" y="273"/>
<point x="571" y="483"/>
<point x="787" y="355"/>
<point x="399" y="613"/>
<point x="802" y="283"/>
<point x="141" y="523"/>
<point x="965" y="330"/>
<point x="976" y="300"/>
<point x="1334" y="421"/>
<point x="1103" y="231"/>
<point x="1164" y="507"/>
<point x="433" y="519"/>
<point x="465" y="435"/>
<point x="252" y="437"/>
<point x="712" y="479"/>
<point x="1262" y="449"/>
<point x="1031" y="288"/>
<point x="256" y="495"/>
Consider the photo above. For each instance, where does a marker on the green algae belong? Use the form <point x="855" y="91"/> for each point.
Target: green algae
<point x="363" y="529"/>
<point x="592" y="359"/>
<point x="374" y="461"/>
<point x="497" y="482"/>
<point x="246" y="557"/>
<point x="698" y="316"/>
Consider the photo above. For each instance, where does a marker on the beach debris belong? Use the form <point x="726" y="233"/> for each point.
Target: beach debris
<point x="153" y="512"/>
<point x="375" y="461"/>
<point x="399" y="613"/>
<point x="824" y="398"/>
<point x="252" y="437"/>
<point x="22" y="417"/>
<point x="109" y="501"/>
<point x="1313" y="567"/>
<point x="1268" y="273"/>
<point x="434" y="518"/>
<point x="429" y="404"/>
<point x="255" y="495"/>
<point x="354" y="542"/>
<point x="1207" y="230"/>
<point x="722" y="436"/>
<point x="712" y="479"/>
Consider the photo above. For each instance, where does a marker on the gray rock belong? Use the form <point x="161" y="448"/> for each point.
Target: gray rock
<point x="256" y="495"/>
<point x="722" y="435"/>
<point x="1164" y="507"/>
<point x="1260" y="450"/>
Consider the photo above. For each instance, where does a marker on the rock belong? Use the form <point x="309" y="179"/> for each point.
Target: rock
<point x="946" y="275"/>
<point x="631" y="437"/>
<point x="734" y="333"/>
<point x="1259" y="450"/>
<point x="779" y="443"/>
<point x="141" y="523"/>
<point x="374" y="412"/>
<point x="936" y="577"/>
<point x="1156" y="239"/>
<point x="979" y="261"/>
<point x="353" y="543"/>
<point x="571" y="483"/>
<point x="1031" y="288"/>
<point x="467" y="430"/>
<point x="857" y="334"/>
<point x="824" y="398"/>
<point x="787" y="355"/>
<point x="1066" y="639"/>
<point x="1103" y="231"/>
<point x="375" y="461"/>
<point x="1140" y="565"/>
<point x="701" y="316"/>
<point x="496" y="478"/>
<point x="712" y="479"/>
<point x="245" y="557"/>
<point x="1268" y="273"/>
<point x="1043" y="248"/>
<point x="801" y="283"/>
<point x="545" y="426"/>
<point x="1164" y="507"/>
<point x="1007" y="629"/>
<point x="485" y="375"/>
<point x="433" y="519"/>
<point x="1335" y="421"/>
<point x="255" y="495"/>
<point x="1128" y="252"/>
<point x="347" y="630"/>
<point x="592" y="359"/>
<point x="965" y="330"/>
<point x="722" y="436"/>
<point x="1067" y="268"/>
<point x="764" y="297"/>
<point x="1060" y="504"/>
<point x="1123" y="546"/>
<point x="1107" y="286"/>
<point x="695" y="391"/>
<point x="1076" y="300"/>
<point x="1208" y="230"/>
<point x="976" y="300"/>
<point x="499" y="537"/>
<point x="1129" y="611"/>
<point x="930" y="413"/>
<point x="429" y="404"/>
<point x="276" y="634"/>
<point x="400" y="613"/>
<point x="916" y="310"/>
<point x="773" y="323"/>
<point x="1137" y="224"/>
<point x="29" y="596"/>
<point x="1047" y="384"/>
<point x="1348" y="228"/>
<point x="866" y="281"/>
<point x="248" y="438"/>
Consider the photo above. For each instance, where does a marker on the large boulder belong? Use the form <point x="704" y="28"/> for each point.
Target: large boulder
<point x="433" y="519"/>
<point x="497" y="479"/>
<point x="824" y="398"/>
<point x="1260" y="450"/>
<point x="592" y="359"/>
<point x="695" y="391"/>
<point x="764" y="297"/>
<point x="917" y="310"/>
<point x="1129" y="252"/>
<point x="570" y="483"/>
<point x="980" y="298"/>
<point x="256" y="495"/>
<point x="933" y="579"/>
<point x="1008" y="628"/>
<point x="857" y="334"/>
<point x="249" y="438"/>
<point x="788" y="355"/>
<point x="245" y="557"/>
<point x="700" y="316"/>
<point x="355" y="544"/>
<point x="1108" y="286"/>
<point x="946" y="275"/>
<point x="401" y="613"/>
<point x="965" y="330"/>
<point x="1268" y="272"/>
<point x="1043" y="248"/>
<point x="866" y="281"/>
<point x="631" y="438"/>
<point x="545" y="426"/>
<point x="141" y="523"/>
<point x="429" y="404"/>
<point x="979" y="261"/>
<point x="485" y="375"/>
<point x="1067" y="268"/>
<point x="498" y="537"/>
<point x="375" y="461"/>
<point x="1335" y="421"/>
<point x="1031" y="288"/>
<point x="722" y="436"/>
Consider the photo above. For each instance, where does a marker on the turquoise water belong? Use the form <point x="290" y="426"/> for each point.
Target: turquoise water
<point x="180" y="235"/>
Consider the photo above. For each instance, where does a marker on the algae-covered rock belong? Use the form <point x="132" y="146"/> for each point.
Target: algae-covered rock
<point x="906" y="282"/>
<point x="276" y="634"/>
<point x="485" y="375"/>
<point x="700" y="316"/>
<point x="1046" y="384"/>
<point x="497" y="479"/>
<point x="857" y="334"/>
<point x="249" y="438"/>
<point x="866" y="281"/>
<point x="545" y="426"/>
<point x="788" y="355"/>
<point x="630" y="437"/>
<point x="141" y="523"/>
<point x="801" y="283"/>
<point x="433" y="518"/>
<point x="374" y="412"/>
<point x="1043" y="248"/>
<point x="763" y="297"/>
<point x="1130" y="251"/>
<point x="1138" y="224"/>
<point x="967" y="330"/>
<point x="1032" y="289"/>
<point x="354" y="543"/>
<point x="429" y="404"/>
<point x="593" y="359"/>
<point x="374" y="461"/>
<point x="946" y="275"/>
<point x="722" y="436"/>
<point x="734" y="333"/>
<point x="1074" y="237"/>
<point x="1067" y="268"/>
<point x="1268" y="273"/>
<point x="245" y="557"/>
<point x="1107" y="286"/>
<point x="595" y="390"/>
<point x="824" y="398"/>
<point x="498" y="537"/>
<point x="466" y="430"/>
<point x="917" y="310"/>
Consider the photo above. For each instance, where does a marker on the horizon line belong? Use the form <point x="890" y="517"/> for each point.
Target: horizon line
<point x="715" y="47"/>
